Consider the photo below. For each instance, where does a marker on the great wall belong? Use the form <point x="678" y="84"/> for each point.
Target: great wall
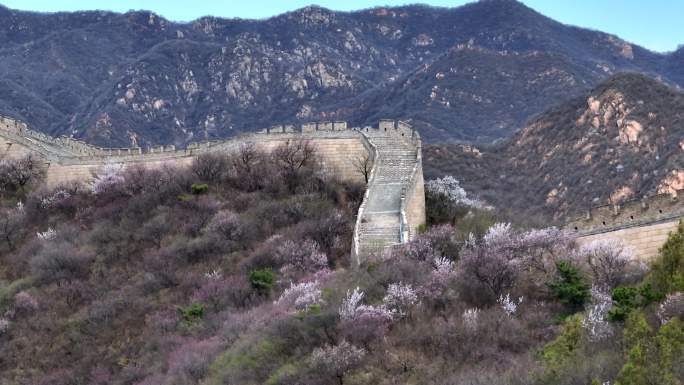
<point x="642" y="225"/>
<point x="394" y="203"/>
<point x="392" y="209"/>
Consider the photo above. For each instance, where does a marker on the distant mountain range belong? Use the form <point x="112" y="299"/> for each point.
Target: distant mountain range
<point x="473" y="73"/>
<point x="623" y="140"/>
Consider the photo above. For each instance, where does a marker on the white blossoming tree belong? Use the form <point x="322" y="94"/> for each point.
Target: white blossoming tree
<point x="672" y="306"/>
<point x="399" y="299"/>
<point x="363" y="323"/>
<point x="108" y="179"/>
<point x="447" y="200"/>
<point x="301" y="258"/>
<point x="338" y="360"/>
<point x="510" y="306"/>
<point x="608" y="260"/>
<point x="595" y="322"/>
<point x="471" y="318"/>
<point x="301" y="296"/>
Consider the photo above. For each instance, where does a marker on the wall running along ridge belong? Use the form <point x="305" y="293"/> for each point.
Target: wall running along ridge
<point x="337" y="146"/>
<point x="643" y="225"/>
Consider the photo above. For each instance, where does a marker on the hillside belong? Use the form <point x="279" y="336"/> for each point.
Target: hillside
<point x="459" y="73"/>
<point x="623" y="140"/>
<point x="237" y="270"/>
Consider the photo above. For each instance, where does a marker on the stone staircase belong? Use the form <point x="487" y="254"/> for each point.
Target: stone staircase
<point x="380" y="223"/>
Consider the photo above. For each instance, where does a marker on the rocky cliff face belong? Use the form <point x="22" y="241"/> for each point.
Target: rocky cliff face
<point x="623" y="140"/>
<point x="476" y="72"/>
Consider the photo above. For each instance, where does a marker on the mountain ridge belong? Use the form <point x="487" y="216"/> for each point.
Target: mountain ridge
<point x="623" y="140"/>
<point x="136" y="78"/>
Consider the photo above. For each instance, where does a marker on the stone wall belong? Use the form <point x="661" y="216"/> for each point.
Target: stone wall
<point x="337" y="146"/>
<point x="71" y="160"/>
<point x="643" y="225"/>
<point x="413" y="213"/>
<point x="644" y="241"/>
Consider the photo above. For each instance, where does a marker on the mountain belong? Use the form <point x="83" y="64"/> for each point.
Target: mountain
<point x="473" y="73"/>
<point x="622" y="140"/>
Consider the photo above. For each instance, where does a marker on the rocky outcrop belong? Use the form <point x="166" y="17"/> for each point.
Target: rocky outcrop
<point x="620" y="141"/>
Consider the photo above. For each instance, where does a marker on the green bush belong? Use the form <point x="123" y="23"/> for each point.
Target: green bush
<point x="562" y="353"/>
<point x="262" y="279"/>
<point x="571" y="288"/>
<point x="637" y="337"/>
<point x="652" y="358"/>
<point x="193" y="313"/>
<point x="626" y="299"/>
<point x="667" y="270"/>
<point x="199" y="188"/>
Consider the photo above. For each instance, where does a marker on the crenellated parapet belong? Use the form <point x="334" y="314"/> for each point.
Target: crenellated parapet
<point x="57" y="148"/>
<point x="643" y="225"/>
<point x="392" y="209"/>
<point x="661" y="207"/>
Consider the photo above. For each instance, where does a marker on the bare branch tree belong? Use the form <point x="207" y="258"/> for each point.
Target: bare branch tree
<point x="363" y="165"/>
<point x="17" y="174"/>
<point x="293" y="157"/>
<point x="209" y="167"/>
<point x="12" y="225"/>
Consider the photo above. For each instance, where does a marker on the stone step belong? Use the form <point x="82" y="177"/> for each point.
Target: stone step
<point x="381" y="224"/>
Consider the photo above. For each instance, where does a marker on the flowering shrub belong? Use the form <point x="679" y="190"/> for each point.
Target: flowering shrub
<point x="226" y="224"/>
<point x="510" y="306"/>
<point x="471" y="318"/>
<point x="444" y="268"/>
<point x="450" y="188"/>
<point x="301" y="258"/>
<point x="214" y="275"/>
<point x="100" y="376"/>
<point x="4" y="325"/>
<point x="490" y="266"/>
<point x="500" y="235"/>
<point x="542" y="248"/>
<point x="227" y="230"/>
<point x="55" y="198"/>
<point x="16" y="175"/>
<point x="350" y="304"/>
<point x="399" y="299"/>
<point x="301" y="296"/>
<point x="213" y="291"/>
<point x="25" y="302"/>
<point x="337" y="360"/>
<point x="164" y="321"/>
<point x="12" y="225"/>
<point x="420" y="249"/>
<point x="363" y="323"/>
<point x="190" y="362"/>
<point x="608" y="260"/>
<point x="110" y="178"/>
<point x="48" y="235"/>
<point x="595" y="321"/>
<point x="442" y="273"/>
<point x="672" y="306"/>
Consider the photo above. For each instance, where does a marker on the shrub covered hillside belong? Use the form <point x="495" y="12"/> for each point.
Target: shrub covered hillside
<point x="138" y="277"/>
<point x="235" y="271"/>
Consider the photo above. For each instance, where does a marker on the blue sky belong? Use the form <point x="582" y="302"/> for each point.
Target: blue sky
<point x="654" y="24"/>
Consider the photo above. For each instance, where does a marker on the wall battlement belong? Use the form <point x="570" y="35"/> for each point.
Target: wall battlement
<point x="642" y="225"/>
<point x="634" y="213"/>
<point x="397" y="201"/>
